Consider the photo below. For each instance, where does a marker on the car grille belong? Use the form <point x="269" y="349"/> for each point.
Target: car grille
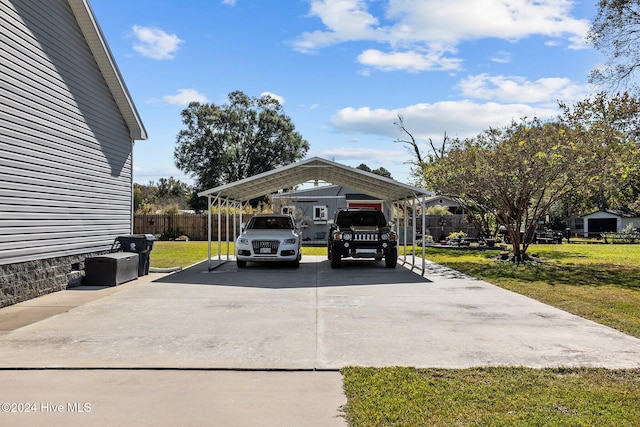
<point x="365" y="237"/>
<point x="265" y="247"/>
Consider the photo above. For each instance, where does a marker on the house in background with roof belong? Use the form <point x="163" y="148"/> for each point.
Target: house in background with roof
<point x="608" y="220"/>
<point x="314" y="208"/>
<point x="67" y="128"/>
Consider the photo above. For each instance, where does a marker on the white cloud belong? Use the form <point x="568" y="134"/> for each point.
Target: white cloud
<point x="185" y="96"/>
<point x="372" y="157"/>
<point x="457" y="118"/>
<point x="278" y="98"/>
<point x="409" y="61"/>
<point x="419" y="32"/>
<point x="154" y="43"/>
<point x="229" y="2"/>
<point x="519" y="89"/>
<point x="501" y="57"/>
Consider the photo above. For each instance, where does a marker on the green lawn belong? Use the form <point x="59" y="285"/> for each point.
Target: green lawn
<point x="183" y="254"/>
<point x="498" y="396"/>
<point x="598" y="282"/>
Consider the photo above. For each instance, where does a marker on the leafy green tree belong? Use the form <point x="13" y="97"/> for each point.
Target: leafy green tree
<point x="380" y="171"/>
<point x="244" y="137"/>
<point x="158" y="196"/>
<point x="608" y="127"/>
<point x="515" y="174"/>
<point x="614" y="32"/>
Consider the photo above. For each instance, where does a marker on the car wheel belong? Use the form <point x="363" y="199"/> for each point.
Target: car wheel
<point x="329" y="253"/>
<point x="241" y="264"/>
<point x="296" y="263"/>
<point x="336" y="261"/>
<point x="391" y="258"/>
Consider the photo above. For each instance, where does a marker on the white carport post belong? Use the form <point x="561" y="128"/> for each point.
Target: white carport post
<point x="227" y="207"/>
<point x="404" y="218"/>
<point x="210" y="220"/>
<point x="424" y="224"/>
<point x="413" y="230"/>
<point x="209" y="231"/>
<point x="219" y="230"/>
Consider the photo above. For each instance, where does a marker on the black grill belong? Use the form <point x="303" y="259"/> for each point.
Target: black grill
<point x="265" y="247"/>
<point x="365" y="237"/>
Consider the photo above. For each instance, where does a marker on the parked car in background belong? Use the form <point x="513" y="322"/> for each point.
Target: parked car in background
<point x="362" y="233"/>
<point x="270" y="237"/>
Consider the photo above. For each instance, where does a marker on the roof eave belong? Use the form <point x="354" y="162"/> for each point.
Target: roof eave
<point x="93" y="34"/>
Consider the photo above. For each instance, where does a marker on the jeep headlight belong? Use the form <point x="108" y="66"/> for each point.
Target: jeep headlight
<point x="384" y="236"/>
<point x="290" y="241"/>
<point x="346" y="236"/>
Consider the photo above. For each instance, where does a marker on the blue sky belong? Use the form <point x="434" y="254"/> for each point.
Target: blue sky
<point x="345" y="69"/>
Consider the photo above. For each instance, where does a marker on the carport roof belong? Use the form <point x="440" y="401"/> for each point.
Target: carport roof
<point x="315" y="169"/>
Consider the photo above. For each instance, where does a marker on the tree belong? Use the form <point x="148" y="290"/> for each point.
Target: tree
<point x="608" y="127"/>
<point x="236" y="140"/>
<point x="166" y="193"/>
<point x="615" y="32"/>
<point x="515" y="174"/>
<point x="420" y="160"/>
<point x="380" y="171"/>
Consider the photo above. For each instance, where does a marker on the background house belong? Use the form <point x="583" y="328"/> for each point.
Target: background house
<point x="67" y="126"/>
<point x="608" y="220"/>
<point x="313" y="208"/>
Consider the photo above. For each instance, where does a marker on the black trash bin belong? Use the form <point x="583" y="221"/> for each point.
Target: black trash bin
<point x="142" y="244"/>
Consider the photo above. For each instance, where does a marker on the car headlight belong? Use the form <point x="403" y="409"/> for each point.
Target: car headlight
<point x="384" y="236"/>
<point x="243" y="241"/>
<point x="346" y="236"/>
<point x="290" y="241"/>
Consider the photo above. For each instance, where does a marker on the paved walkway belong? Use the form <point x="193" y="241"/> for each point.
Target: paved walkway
<point x="191" y="332"/>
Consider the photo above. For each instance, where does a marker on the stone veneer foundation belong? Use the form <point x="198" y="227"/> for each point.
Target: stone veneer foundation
<point x="26" y="280"/>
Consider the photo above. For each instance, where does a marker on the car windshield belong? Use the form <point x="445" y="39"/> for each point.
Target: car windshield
<point x="270" y="223"/>
<point x="361" y="219"/>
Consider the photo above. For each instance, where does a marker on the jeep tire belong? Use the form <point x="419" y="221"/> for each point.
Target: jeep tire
<point x="391" y="258"/>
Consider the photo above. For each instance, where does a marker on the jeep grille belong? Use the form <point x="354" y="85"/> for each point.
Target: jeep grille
<point x="365" y="237"/>
<point x="268" y="247"/>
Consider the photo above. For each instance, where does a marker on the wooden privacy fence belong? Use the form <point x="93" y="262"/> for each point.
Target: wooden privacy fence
<point x="194" y="226"/>
<point x="449" y="224"/>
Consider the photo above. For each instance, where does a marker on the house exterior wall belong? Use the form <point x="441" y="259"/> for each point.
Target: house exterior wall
<point x="305" y="202"/>
<point x="65" y="151"/>
<point x="624" y="222"/>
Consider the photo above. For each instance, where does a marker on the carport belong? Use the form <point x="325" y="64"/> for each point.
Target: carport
<point x="233" y="196"/>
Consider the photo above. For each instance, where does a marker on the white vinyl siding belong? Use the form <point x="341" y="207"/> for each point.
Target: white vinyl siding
<point x="65" y="149"/>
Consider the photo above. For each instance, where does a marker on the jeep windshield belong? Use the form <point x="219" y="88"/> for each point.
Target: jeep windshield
<point x="361" y="219"/>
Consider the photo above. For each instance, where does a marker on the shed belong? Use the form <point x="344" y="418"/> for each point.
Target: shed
<point x="609" y="220"/>
<point x="67" y="128"/>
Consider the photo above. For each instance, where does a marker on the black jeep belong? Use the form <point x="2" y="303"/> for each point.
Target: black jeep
<point x="362" y="233"/>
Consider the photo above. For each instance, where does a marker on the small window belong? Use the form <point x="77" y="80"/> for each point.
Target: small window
<point x="320" y="213"/>
<point x="287" y="210"/>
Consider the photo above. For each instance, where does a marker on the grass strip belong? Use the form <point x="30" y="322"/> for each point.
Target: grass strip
<point x="499" y="396"/>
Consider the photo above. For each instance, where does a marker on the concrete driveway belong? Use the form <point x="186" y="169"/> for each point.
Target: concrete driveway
<point x="262" y="345"/>
<point x="314" y="318"/>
